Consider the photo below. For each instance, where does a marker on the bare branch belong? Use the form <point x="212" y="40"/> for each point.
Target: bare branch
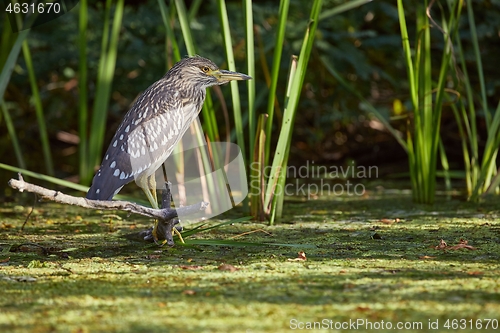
<point x="164" y="214"/>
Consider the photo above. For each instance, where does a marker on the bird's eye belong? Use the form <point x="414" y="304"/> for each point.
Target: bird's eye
<point x="205" y="69"/>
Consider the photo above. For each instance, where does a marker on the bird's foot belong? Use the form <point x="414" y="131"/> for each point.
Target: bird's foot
<point x="176" y="231"/>
<point x="154" y="232"/>
<point x="167" y="229"/>
<point x="162" y="232"/>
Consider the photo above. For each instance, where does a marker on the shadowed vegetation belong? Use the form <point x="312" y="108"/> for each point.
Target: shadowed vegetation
<point x="374" y="258"/>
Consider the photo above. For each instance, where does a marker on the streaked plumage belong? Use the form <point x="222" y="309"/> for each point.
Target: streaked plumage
<point x="156" y="122"/>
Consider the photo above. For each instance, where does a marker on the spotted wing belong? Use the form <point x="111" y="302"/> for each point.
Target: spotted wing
<point x="140" y="146"/>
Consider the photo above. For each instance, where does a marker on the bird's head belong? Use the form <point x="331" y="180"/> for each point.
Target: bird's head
<point x="204" y="73"/>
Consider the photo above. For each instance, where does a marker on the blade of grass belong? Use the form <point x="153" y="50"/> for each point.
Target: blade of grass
<point x="11" y="61"/>
<point x="449" y="27"/>
<point x="257" y="177"/>
<point x="495" y="183"/>
<point x="465" y="150"/>
<point x="100" y="100"/>
<point x="284" y="140"/>
<point x="484" y="103"/>
<point x="215" y="242"/>
<point x="199" y="229"/>
<point x="6" y="42"/>
<point x="446" y="167"/>
<point x="44" y="137"/>
<point x="185" y="28"/>
<point x="342" y="8"/>
<point x="468" y="115"/>
<point x="49" y="179"/>
<point x="226" y="33"/>
<point x="83" y="116"/>
<point x="279" y="194"/>
<point x="479" y="63"/>
<point x="210" y="120"/>
<point x="193" y="9"/>
<point x="170" y="38"/>
<point x="104" y="83"/>
<point x="407" y="53"/>
<point x="278" y="48"/>
<point x="411" y="157"/>
<point x="489" y="155"/>
<point x="249" y="30"/>
<point x="13" y="136"/>
<point x="426" y="152"/>
<point x="423" y="152"/>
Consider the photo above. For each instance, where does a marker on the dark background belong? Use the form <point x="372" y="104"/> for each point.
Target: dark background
<point x="331" y="128"/>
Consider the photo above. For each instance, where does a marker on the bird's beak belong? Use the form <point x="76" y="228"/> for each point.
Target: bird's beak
<point x="224" y="76"/>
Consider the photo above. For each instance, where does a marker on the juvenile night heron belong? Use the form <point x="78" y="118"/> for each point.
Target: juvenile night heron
<point x="154" y="125"/>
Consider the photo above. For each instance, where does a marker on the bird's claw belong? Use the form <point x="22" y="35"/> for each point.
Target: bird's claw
<point x="167" y="230"/>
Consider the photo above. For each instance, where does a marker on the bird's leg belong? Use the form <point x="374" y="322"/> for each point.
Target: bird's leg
<point x="144" y="184"/>
<point x="165" y="228"/>
<point x="178" y="233"/>
<point x="152" y="187"/>
<point x="147" y="186"/>
<point x="166" y="199"/>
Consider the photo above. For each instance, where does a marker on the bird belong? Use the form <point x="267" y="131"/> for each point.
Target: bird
<point x="153" y="126"/>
